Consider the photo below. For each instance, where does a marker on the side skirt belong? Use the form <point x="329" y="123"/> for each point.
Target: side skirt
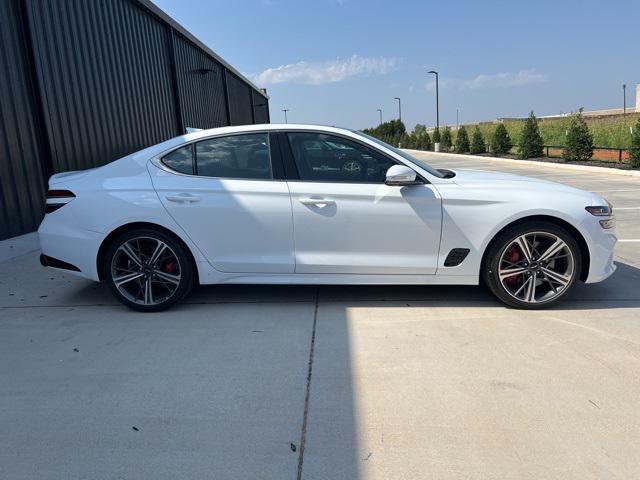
<point x="347" y="279"/>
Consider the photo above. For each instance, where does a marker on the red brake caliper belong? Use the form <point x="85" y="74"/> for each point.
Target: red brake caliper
<point x="512" y="255"/>
<point x="169" y="267"/>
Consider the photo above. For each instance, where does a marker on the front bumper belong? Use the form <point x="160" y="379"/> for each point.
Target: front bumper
<point x="601" y="243"/>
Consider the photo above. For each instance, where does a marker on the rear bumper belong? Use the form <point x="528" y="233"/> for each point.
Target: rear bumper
<point x="47" y="261"/>
<point x="70" y="248"/>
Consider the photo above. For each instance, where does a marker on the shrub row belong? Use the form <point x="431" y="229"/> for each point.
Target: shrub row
<point x="577" y="142"/>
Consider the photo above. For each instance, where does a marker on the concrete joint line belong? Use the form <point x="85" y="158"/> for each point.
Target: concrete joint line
<point x="303" y="434"/>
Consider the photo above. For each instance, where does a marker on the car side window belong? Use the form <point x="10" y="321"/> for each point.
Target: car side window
<point x="322" y="157"/>
<point x="180" y="160"/>
<point x="236" y="156"/>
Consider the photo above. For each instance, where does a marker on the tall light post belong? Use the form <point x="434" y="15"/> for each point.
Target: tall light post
<point x="285" y="110"/>
<point x="437" y="100"/>
<point x="624" y="99"/>
<point x="399" y="108"/>
<point x="380" y="112"/>
<point x="457" y="121"/>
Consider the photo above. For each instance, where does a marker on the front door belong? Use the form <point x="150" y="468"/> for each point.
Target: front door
<point x="223" y="192"/>
<point x="347" y="221"/>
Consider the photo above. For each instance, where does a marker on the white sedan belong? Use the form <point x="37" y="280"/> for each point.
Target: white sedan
<point x="302" y="204"/>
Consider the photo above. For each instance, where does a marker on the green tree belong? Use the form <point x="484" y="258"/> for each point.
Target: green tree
<point x="436" y="135"/>
<point x="500" y="142"/>
<point x="579" y="145"/>
<point x="419" y="129"/>
<point x="445" y="140"/>
<point x="477" y="142"/>
<point x="462" y="140"/>
<point x="531" y="145"/>
<point x="425" y="141"/>
<point x="634" y="150"/>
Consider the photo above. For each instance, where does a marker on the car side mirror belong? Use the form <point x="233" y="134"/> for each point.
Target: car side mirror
<point x="401" y="175"/>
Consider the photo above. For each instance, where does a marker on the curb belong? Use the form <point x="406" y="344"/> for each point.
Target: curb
<point x="584" y="168"/>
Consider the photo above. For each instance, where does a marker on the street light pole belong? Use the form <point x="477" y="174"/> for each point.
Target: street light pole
<point x="624" y="99"/>
<point x="285" y="110"/>
<point x="399" y="108"/>
<point x="380" y="112"/>
<point x="457" y="122"/>
<point x="437" y="101"/>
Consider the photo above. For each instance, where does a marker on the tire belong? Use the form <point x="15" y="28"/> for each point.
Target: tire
<point x="539" y="277"/>
<point x="141" y="282"/>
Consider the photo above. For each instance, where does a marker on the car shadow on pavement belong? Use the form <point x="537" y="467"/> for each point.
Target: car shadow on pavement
<point x="245" y="380"/>
<point x="621" y="290"/>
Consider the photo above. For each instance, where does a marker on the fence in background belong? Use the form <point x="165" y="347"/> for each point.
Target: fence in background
<point x="603" y="154"/>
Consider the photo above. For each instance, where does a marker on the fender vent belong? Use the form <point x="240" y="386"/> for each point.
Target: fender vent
<point x="456" y="257"/>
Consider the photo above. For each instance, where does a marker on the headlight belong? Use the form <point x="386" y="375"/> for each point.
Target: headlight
<point x="601" y="210"/>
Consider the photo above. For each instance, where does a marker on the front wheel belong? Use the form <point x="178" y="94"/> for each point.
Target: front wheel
<point x="148" y="270"/>
<point x="532" y="265"/>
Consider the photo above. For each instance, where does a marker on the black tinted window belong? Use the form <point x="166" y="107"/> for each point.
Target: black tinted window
<point x="321" y="157"/>
<point x="237" y="156"/>
<point x="180" y="160"/>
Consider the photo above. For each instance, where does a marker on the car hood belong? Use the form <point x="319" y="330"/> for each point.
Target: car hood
<point x="466" y="177"/>
<point x="507" y="181"/>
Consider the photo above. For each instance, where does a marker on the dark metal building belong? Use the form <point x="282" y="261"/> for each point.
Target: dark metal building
<point x="83" y="82"/>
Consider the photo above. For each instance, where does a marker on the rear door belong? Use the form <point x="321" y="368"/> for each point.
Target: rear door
<point x="229" y="194"/>
<point x="347" y="221"/>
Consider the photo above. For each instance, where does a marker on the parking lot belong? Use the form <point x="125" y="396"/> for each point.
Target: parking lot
<point x="266" y="382"/>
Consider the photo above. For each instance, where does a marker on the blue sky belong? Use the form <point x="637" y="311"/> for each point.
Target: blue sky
<point x="337" y="61"/>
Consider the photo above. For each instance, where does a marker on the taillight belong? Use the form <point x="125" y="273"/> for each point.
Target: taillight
<point x="57" y="199"/>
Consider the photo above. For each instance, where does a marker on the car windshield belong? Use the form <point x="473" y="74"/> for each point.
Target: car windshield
<point x="421" y="163"/>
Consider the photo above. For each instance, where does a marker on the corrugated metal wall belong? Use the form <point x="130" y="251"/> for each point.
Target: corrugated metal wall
<point x="84" y="82"/>
<point x="104" y="77"/>
<point x="201" y="88"/>
<point x="260" y="107"/>
<point x="21" y="173"/>
<point x="240" y="101"/>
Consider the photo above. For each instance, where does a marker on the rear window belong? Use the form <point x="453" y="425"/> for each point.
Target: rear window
<point x="237" y="156"/>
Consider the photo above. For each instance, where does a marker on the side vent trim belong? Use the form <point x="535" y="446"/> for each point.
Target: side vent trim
<point x="456" y="257"/>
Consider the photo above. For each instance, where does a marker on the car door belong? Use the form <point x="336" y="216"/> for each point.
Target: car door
<point x="347" y="221"/>
<point x="232" y="200"/>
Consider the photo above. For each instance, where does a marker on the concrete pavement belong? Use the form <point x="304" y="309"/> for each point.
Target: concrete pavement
<point x="374" y="382"/>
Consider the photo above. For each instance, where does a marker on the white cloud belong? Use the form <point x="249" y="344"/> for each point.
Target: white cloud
<point x="496" y="80"/>
<point x="318" y="73"/>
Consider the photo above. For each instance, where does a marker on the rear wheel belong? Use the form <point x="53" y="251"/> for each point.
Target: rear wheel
<point x="148" y="270"/>
<point x="532" y="265"/>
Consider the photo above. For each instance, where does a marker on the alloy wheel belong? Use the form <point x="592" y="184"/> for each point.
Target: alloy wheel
<point x="536" y="267"/>
<point x="146" y="271"/>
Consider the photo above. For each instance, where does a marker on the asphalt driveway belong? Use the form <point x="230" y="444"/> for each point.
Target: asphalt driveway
<point x="285" y="382"/>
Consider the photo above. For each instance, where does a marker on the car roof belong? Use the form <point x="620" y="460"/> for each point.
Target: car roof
<point x="142" y="156"/>
<point x="261" y="127"/>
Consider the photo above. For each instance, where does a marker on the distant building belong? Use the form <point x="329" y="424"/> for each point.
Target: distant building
<point x="597" y="113"/>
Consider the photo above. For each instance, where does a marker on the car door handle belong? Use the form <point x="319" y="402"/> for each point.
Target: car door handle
<point x="183" y="198"/>
<point x="318" y="202"/>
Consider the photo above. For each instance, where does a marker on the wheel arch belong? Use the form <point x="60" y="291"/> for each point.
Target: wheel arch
<point x="582" y="243"/>
<point x="152" y="226"/>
